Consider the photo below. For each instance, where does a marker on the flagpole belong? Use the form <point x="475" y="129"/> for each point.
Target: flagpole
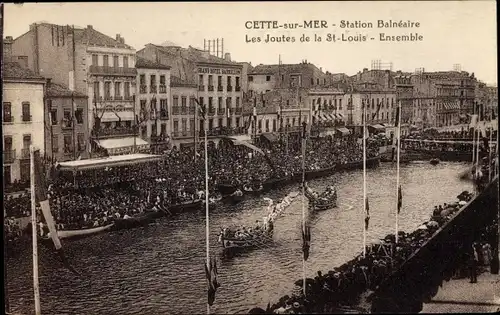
<point x="489" y="153"/>
<point x="397" y="170"/>
<point x="304" y="139"/>
<point x="34" y="232"/>
<point x="207" y="206"/>
<point x="364" y="179"/>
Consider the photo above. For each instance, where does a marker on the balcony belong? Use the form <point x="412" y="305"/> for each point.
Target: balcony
<point x="210" y="88"/>
<point x="191" y="110"/>
<point x="26" y="118"/>
<point x="211" y="111"/>
<point x="182" y="134"/>
<point x="163" y="114"/>
<point x="118" y="98"/>
<point x="184" y="110"/>
<point x="163" y="88"/>
<point x="9" y="156"/>
<point x="201" y="88"/>
<point x="8" y="119"/>
<point x="220" y="88"/>
<point x="112" y="132"/>
<point x="25" y="154"/>
<point x="108" y="98"/>
<point x="229" y="88"/>
<point x="66" y="124"/>
<point x="225" y="131"/>
<point x="238" y="110"/>
<point x="153" y="88"/>
<point x="237" y="88"/>
<point x="100" y="70"/>
<point x="221" y="111"/>
<point x="176" y="110"/>
<point x="143" y="89"/>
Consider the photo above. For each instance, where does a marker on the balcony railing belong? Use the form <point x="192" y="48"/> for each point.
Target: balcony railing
<point x="211" y="88"/>
<point x="26" y="118"/>
<point x="121" y="131"/>
<point x="183" y="110"/>
<point x="112" y="71"/>
<point x="237" y="88"/>
<point x="118" y="98"/>
<point x="143" y="89"/>
<point x="66" y="124"/>
<point x="9" y="156"/>
<point x="163" y="114"/>
<point x="182" y="134"/>
<point x="201" y="88"/>
<point x="221" y="111"/>
<point x="220" y="88"/>
<point x="229" y="88"/>
<point x="211" y="111"/>
<point x="191" y="110"/>
<point x="238" y="110"/>
<point x="176" y="110"/>
<point x="225" y="131"/>
<point x="25" y="154"/>
<point x="8" y="119"/>
<point x="163" y="88"/>
<point x="108" y="97"/>
<point x="153" y="88"/>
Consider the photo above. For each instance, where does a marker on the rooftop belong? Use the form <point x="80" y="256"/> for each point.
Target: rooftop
<point x="13" y="70"/>
<point x="148" y="64"/>
<point x="194" y="55"/>
<point x="90" y="36"/>
<point x="55" y="90"/>
<point x="272" y="69"/>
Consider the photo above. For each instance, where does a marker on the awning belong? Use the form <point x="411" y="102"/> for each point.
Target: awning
<point x="344" y="131"/>
<point x="109" y="116"/>
<point x="325" y="117"/>
<point x="332" y="116"/>
<point x="116" y="143"/>
<point x="451" y="106"/>
<point x="378" y="126"/>
<point x="271" y="137"/>
<point x="240" y="137"/>
<point x="327" y="133"/>
<point x="340" y="115"/>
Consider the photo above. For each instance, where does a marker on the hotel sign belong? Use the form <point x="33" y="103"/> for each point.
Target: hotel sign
<point x="219" y="71"/>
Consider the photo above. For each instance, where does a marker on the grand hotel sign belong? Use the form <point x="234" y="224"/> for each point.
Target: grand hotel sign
<point x="219" y="71"/>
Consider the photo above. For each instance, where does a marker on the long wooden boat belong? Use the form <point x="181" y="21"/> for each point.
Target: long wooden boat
<point x="83" y="232"/>
<point x="317" y="204"/>
<point x="136" y="221"/>
<point x="230" y="244"/>
<point x="227" y="189"/>
<point x="186" y="206"/>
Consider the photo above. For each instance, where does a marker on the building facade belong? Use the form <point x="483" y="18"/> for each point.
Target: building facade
<point x="65" y="120"/>
<point x="218" y="81"/>
<point x="23" y="120"/>
<point x="153" y="101"/>
<point x="89" y="62"/>
<point x="185" y="120"/>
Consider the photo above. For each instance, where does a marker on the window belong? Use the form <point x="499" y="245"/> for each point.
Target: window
<point x="95" y="61"/>
<point x="229" y="81"/>
<point x="81" y="142"/>
<point x="163" y="108"/>
<point x="152" y="83"/>
<point x="67" y="118"/>
<point x="312" y="81"/>
<point x="125" y="61"/>
<point x="237" y="121"/>
<point x="268" y="78"/>
<point x="184" y="125"/>
<point x="96" y="91"/>
<point x="237" y="102"/>
<point x="293" y="121"/>
<point x="260" y="125"/>
<point x="176" y="125"/>
<point x="210" y="103"/>
<point x="26" y="141"/>
<point x="210" y="124"/>
<point x="7" y="112"/>
<point x="107" y="90"/>
<point x="55" y="143"/>
<point x="220" y="103"/>
<point x="229" y="102"/>
<point x="267" y="125"/>
<point x="210" y="80"/>
<point x="163" y="129"/>
<point x="79" y="116"/>
<point x="317" y="81"/>
<point x="183" y="101"/>
<point x="191" y="124"/>
<point x="142" y="79"/>
<point x="200" y="79"/>
<point x="250" y="78"/>
<point x="340" y="104"/>
<point x="67" y="144"/>
<point x="26" y="111"/>
<point x="115" y="61"/>
<point x="53" y="116"/>
<point x="176" y="101"/>
<point x="237" y="81"/>
<point x="126" y="87"/>
<point x="220" y="122"/>
<point x="7" y="143"/>
<point x="162" y="80"/>
<point x="117" y="89"/>
<point x="219" y="81"/>
<point x="105" y="61"/>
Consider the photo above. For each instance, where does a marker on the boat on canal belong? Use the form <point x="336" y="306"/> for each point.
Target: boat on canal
<point x="236" y="197"/>
<point x="246" y="239"/>
<point x="320" y="202"/>
<point x="66" y="234"/>
<point x="253" y="189"/>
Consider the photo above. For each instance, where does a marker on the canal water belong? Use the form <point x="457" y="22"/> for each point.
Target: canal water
<point x="158" y="269"/>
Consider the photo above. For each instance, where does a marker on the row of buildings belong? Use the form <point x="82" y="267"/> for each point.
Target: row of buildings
<point x="74" y="92"/>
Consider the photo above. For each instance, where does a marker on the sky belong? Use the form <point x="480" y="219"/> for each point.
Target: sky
<point x="462" y="32"/>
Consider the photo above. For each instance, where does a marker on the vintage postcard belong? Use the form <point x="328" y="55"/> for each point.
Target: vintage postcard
<point x="250" y="157"/>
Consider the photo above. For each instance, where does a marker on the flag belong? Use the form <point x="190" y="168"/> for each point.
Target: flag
<point x="473" y="121"/>
<point x="228" y="113"/>
<point x="41" y="197"/>
<point x="366" y="134"/>
<point x="400" y="198"/>
<point x="379" y="105"/>
<point x="304" y="130"/>
<point x="367" y="214"/>
<point x="396" y="123"/>
<point x="306" y="241"/>
<point x="213" y="284"/>
<point x="202" y="108"/>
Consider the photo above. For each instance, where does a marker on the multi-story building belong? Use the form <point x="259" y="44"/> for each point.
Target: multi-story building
<point x="23" y="120"/>
<point x="152" y="102"/>
<point x="329" y="107"/>
<point x="264" y="78"/>
<point x="404" y="93"/>
<point x="487" y="96"/>
<point x="66" y="126"/>
<point x="186" y="122"/>
<point x="219" y="81"/>
<point x="89" y="62"/>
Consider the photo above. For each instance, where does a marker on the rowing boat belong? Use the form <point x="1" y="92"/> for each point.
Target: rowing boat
<point x="82" y="232"/>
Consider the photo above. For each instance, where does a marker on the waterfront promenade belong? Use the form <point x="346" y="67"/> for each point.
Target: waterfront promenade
<point x="461" y="296"/>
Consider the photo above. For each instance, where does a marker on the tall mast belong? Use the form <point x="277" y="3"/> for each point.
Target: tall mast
<point x="36" y="289"/>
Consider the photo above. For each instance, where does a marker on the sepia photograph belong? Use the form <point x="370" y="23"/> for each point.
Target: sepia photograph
<point x="306" y="157"/>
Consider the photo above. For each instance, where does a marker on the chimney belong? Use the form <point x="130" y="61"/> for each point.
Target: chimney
<point x="7" y="47"/>
<point x="365" y="70"/>
<point x="118" y="37"/>
<point x="49" y="81"/>
<point x="90" y="27"/>
<point x="227" y="56"/>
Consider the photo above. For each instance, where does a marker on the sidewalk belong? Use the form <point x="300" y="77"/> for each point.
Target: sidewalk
<point x="460" y="296"/>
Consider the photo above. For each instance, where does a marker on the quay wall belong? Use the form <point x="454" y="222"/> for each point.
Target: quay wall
<point x="419" y="278"/>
